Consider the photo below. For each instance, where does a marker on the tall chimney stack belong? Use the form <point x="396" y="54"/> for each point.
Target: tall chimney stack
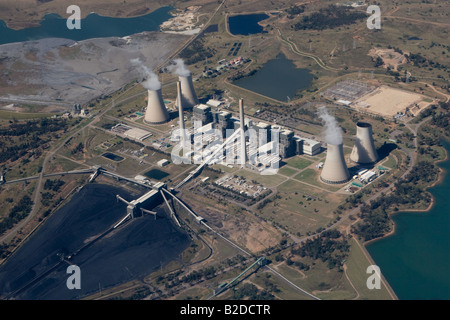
<point x="181" y="115"/>
<point x="243" y="153"/>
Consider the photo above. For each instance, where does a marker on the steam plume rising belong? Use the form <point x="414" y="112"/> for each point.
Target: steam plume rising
<point x="179" y="68"/>
<point x="333" y="133"/>
<point x="151" y="81"/>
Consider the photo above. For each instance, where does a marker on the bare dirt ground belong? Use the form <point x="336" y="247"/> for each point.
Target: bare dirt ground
<point x="66" y="71"/>
<point x="388" y="101"/>
<point x="390" y="57"/>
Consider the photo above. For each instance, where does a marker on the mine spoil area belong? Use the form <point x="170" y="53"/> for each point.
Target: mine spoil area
<point x="142" y="245"/>
<point x="66" y="72"/>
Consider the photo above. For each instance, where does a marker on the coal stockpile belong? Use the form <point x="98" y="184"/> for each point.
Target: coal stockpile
<point x="81" y="234"/>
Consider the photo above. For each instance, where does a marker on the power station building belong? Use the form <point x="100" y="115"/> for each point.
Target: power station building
<point x="223" y="121"/>
<point x="287" y="143"/>
<point x="203" y="114"/>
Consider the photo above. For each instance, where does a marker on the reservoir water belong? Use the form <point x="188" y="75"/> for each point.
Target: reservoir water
<point x="279" y="79"/>
<point x="93" y="26"/>
<point x="246" y="24"/>
<point x="415" y="260"/>
<point x="139" y="247"/>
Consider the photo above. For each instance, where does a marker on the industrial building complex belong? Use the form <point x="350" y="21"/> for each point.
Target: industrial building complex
<point x="217" y="163"/>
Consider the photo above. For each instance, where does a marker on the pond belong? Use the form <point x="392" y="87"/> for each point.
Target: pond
<point x="279" y="79"/>
<point x="156" y="174"/>
<point x="93" y="26"/>
<point x="246" y="24"/>
<point x="112" y="156"/>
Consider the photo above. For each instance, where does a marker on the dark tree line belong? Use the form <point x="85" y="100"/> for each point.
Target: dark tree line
<point x="39" y="127"/>
<point x="196" y="52"/>
<point x="295" y="9"/>
<point x="420" y="61"/>
<point x="250" y="291"/>
<point x="328" y="18"/>
<point x="53" y="185"/>
<point x="17" y="213"/>
<point x="78" y="148"/>
<point x="330" y="246"/>
<point x="30" y="132"/>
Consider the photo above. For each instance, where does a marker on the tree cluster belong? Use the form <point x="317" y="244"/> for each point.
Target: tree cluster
<point x="328" y="18"/>
<point x="420" y="61"/>
<point x="78" y="148"/>
<point x="39" y="127"/>
<point x="196" y="52"/>
<point x="17" y="213"/>
<point x="330" y="246"/>
<point x="408" y="191"/>
<point x="53" y="185"/>
<point x="250" y="291"/>
<point x="295" y="9"/>
<point x="31" y="135"/>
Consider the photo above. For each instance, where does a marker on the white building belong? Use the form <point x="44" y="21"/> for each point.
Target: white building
<point x="137" y="134"/>
<point x="163" y="163"/>
<point x="368" y="176"/>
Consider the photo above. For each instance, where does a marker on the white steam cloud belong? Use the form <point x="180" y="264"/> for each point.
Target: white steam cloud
<point x="151" y="81"/>
<point x="179" y="68"/>
<point x="333" y="133"/>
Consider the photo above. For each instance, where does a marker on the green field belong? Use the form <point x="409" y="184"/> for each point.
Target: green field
<point x="357" y="265"/>
<point x="265" y="180"/>
<point x="391" y="162"/>
<point x="287" y="171"/>
<point x="298" y="162"/>
<point x="311" y="176"/>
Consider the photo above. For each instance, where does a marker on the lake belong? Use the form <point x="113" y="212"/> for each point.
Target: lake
<point x="279" y="79"/>
<point x="133" y="250"/>
<point x="93" y="26"/>
<point x="246" y="24"/>
<point x="415" y="260"/>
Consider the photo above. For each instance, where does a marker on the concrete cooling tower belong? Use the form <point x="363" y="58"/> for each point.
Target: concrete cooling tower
<point x="156" y="110"/>
<point x="364" y="151"/>
<point x="189" y="97"/>
<point x="335" y="170"/>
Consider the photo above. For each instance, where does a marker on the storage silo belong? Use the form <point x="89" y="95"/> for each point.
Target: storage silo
<point x="364" y="151"/>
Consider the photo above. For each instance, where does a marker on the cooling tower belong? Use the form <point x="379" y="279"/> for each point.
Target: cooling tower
<point x="156" y="110"/>
<point x="364" y="151"/>
<point x="189" y="97"/>
<point x="335" y="170"/>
